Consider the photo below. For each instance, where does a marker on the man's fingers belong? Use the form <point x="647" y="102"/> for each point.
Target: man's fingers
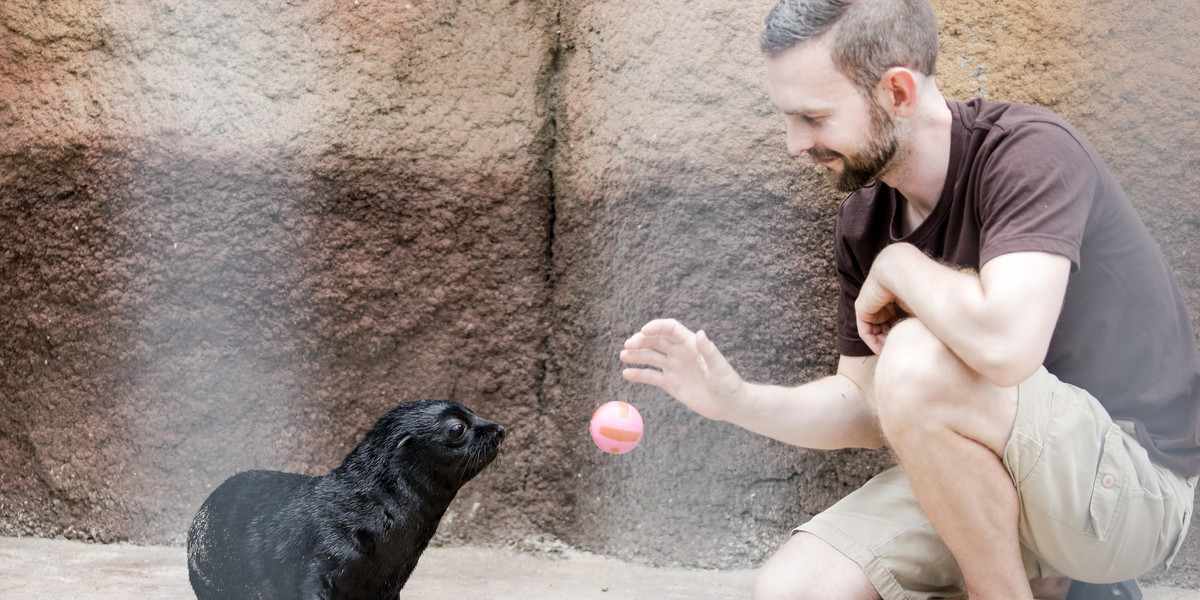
<point x="873" y="334"/>
<point x="865" y="333"/>
<point x="667" y="330"/>
<point x="658" y="326"/>
<point x="711" y="355"/>
<point x="644" y="356"/>
<point x="637" y="340"/>
<point x="646" y="376"/>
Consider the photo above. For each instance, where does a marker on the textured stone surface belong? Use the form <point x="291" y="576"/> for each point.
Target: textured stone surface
<point x="675" y="197"/>
<point x="232" y="235"/>
<point x="236" y="234"/>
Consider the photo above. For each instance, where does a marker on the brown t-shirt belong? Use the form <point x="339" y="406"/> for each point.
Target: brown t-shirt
<point x="1021" y="179"/>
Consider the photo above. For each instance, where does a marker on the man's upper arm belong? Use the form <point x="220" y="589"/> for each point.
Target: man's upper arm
<point x="1035" y="192"/>
<point x="1024" y="292"/>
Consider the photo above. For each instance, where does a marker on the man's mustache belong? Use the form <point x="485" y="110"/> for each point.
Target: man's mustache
<point x="822" y="154"/>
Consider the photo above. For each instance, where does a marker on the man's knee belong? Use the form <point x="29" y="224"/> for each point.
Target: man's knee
<point x="778" y="581"/>
<point x="912" y="357"/>
<point x="923" y="388"/>
<point x="914" y="370"/>
<point x="807" y="567"/>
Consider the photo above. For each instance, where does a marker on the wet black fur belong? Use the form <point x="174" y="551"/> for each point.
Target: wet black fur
<point x="354" y="534"/>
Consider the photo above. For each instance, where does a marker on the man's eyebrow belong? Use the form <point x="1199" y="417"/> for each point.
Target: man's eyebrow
<point x="806" y="111"/>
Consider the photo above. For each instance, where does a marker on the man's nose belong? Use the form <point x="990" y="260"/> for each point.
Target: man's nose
<point x="799" y="137"/>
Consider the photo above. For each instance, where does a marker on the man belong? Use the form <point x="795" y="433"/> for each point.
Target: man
<point x="1007" y="326"/>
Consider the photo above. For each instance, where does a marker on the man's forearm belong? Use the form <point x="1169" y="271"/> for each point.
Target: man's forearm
<point x="829" y="413"/>
<point x="1000" y="325"/>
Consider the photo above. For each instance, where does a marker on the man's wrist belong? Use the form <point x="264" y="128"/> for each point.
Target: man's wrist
<point x="740" y="406"/>
<point x="891" y="261"/>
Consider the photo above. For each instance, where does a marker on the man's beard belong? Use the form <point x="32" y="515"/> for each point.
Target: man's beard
<point x="868" y="164"/>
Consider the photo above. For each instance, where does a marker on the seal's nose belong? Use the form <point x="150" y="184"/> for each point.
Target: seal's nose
<point x="500" y="433"/>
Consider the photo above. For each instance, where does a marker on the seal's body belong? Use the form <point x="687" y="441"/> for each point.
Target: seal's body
<point x="353" y="534"/>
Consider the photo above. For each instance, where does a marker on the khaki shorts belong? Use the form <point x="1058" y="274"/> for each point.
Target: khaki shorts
<point x="1092" y="504"/>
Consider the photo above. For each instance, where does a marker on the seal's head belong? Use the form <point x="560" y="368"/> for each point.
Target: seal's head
<point x="449" y="442"/>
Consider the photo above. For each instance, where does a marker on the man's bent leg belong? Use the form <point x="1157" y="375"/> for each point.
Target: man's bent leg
<point x="949" y="427"/>
<point x="807" y="567"/>
<point x="1094" y="505"/>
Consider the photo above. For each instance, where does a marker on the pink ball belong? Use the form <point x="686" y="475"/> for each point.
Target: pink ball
<point x="617" y="427"/>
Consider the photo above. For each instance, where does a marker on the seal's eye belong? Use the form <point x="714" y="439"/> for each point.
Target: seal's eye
<point x="456" y="432"/>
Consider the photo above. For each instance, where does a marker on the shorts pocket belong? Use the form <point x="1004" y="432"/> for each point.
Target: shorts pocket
<point x="1111" y="487"/>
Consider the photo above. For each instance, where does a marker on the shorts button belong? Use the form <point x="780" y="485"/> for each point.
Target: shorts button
<point x="1108" y="481"/>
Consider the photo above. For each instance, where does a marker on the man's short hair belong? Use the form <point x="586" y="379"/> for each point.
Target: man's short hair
<point x="866" y="37"/>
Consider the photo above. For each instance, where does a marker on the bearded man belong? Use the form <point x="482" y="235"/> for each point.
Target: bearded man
<point x="1007" y="326"/>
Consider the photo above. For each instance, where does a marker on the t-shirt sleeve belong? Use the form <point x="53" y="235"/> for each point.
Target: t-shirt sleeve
<point x="851" y="274"/>
<point x="1035" y="193"/>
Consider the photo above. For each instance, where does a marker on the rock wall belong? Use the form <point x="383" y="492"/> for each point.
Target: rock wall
<point x="237" y="233"/>
<point x="234" y="234"/>
<point x="675" y="197"/>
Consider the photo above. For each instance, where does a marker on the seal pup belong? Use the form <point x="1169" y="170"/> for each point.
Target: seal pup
<point x="353" y="534"/>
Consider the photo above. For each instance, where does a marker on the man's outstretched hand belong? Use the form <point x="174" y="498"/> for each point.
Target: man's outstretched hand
<point x="685" y="365"/>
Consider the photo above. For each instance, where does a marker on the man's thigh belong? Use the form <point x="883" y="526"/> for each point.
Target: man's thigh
<point x="881" y="527"/>
<point x="1093" y="504"/>
<point x="1069" y="524"/>
<point x="807" y="567"/>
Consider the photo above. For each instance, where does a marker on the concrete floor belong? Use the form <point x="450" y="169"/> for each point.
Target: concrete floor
<point x="40" y="569"/>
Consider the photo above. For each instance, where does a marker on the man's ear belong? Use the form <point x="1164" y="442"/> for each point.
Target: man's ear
<point x="897" y="91"/>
